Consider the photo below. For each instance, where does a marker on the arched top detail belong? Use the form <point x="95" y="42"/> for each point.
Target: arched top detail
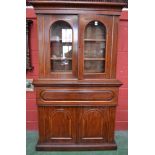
<point x="59" y="22"/>
<point x="95" y="28"/>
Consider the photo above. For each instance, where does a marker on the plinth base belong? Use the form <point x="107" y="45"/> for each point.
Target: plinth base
<point x="76" y="147"/>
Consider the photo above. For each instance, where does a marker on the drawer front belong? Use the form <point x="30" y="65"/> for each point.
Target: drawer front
<point x="47" y="94"/>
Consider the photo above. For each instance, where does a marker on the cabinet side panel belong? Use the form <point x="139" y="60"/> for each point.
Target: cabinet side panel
<point x="40" y="20"/>
<point x="114" y="47"/>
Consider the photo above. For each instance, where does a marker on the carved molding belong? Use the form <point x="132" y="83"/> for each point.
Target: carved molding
<point x="85" y="122"/>
<point x="119" y="4"/>
<point x="29" y="66"/>
<point x="92" y="125"/>
<point x="77" y="95"/>
<point x="67" y="119"/>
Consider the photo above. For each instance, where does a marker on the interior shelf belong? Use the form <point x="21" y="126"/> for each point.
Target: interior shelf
<point x="94" y="58"/>
<point x="95" y="40"/>
<point x="63" y="71"/>
<point x="60" y="58"/>
<point x="93" y="71"/>
<point x="59" y="40"/>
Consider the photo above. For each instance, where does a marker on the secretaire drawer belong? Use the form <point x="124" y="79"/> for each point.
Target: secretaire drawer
<point x="48" y="94"/>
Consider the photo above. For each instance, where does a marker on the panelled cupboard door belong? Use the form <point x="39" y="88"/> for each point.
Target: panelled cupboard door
<point x="60" y="46"/>
<point x="95" y="46"/>
<point x="70" y="125"/>
<point x="57" y="125"/>
<point x="96" y="124"/>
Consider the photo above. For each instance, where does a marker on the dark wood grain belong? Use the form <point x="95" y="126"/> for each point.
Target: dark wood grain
<point x="76" y="109"/>
<point x="74" y="147"/>
<point x="76" y="94"/>
<point x="77" y="83"/>
<point x="57" y="125"/>
<point x="95" y="124"/>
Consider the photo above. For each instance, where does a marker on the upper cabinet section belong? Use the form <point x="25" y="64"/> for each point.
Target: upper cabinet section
<point x="77" y="39"/>
<point x="77" y="46"/>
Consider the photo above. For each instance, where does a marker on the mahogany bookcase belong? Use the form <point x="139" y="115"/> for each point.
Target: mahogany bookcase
<point x="77" y="89"/>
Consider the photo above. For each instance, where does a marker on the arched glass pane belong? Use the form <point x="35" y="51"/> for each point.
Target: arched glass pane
<point x="94" y="47"/>
<point x="61" y="47"/>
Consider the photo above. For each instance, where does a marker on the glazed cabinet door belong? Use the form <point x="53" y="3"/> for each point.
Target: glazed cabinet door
<point x="95" y="46"/>
<point x="58" y="46"/>
<point x="96" y="124"/>
<point x="57" y="125"/>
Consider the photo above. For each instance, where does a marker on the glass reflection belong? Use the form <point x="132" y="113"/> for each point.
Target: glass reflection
<point x="61" y="47"/>
<point x="94" y="47"/>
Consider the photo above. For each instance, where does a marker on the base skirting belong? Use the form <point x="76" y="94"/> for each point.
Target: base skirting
<point x="76" y="147"/>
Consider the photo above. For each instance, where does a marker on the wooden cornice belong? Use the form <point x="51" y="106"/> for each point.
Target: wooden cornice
<point x="76" y="4"/>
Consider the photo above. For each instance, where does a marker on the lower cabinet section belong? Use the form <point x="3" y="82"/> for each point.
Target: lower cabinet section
<point x="76" y="128"/>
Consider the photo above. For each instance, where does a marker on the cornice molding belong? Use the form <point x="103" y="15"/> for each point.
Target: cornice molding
<point x="77" y="4"/>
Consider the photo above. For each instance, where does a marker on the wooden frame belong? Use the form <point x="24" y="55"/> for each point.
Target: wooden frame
<point x="107" y="21"/>
<point x="47" y="21"/>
